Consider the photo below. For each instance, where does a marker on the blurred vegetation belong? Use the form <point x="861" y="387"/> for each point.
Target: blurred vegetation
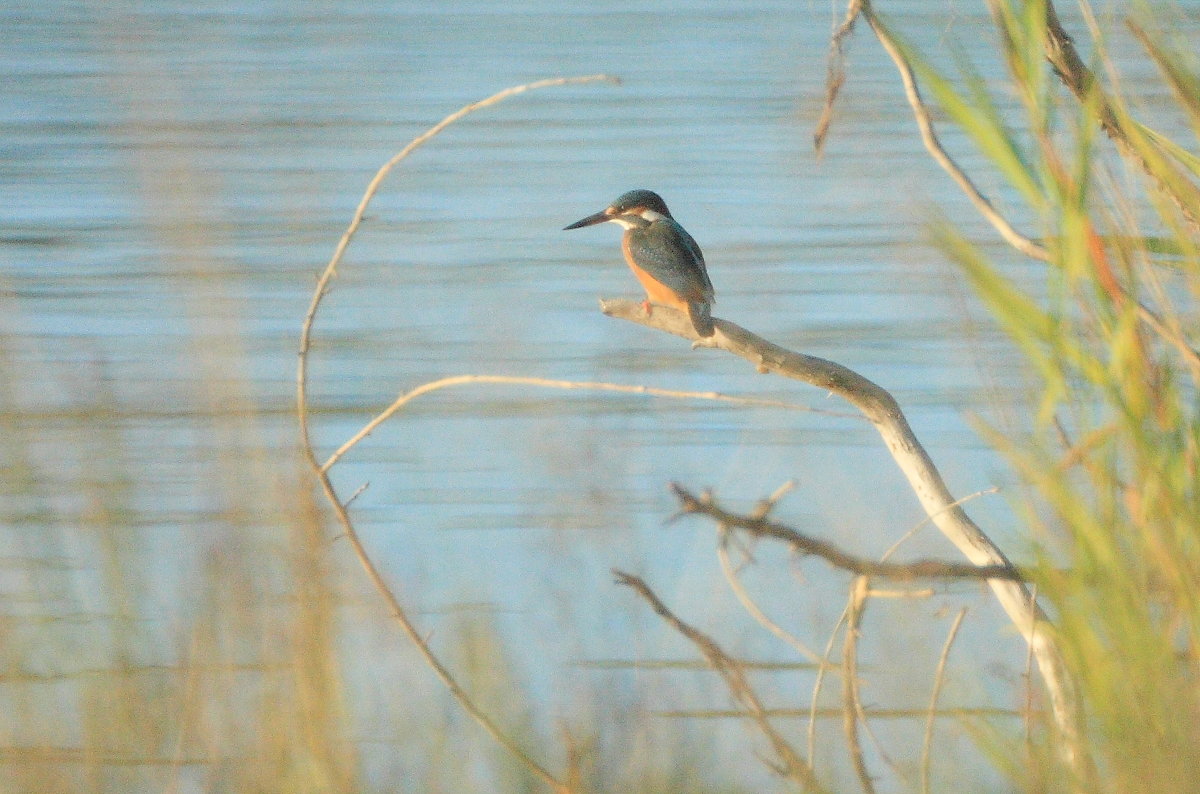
<point x="272" y="668"/>
<point x="1109" y="457"/>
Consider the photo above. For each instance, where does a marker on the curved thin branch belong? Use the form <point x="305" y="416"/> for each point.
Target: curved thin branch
<point x="916" y="527"/>
<point x="882" y="410"/>
<point x="760" y="617"/>
<point x="934" y="146"/>
<point x="851" y="701"/>
<point x="570" y="385"/>
<point x="761" y="510"/>
<point x="818" y="683"/>
<point x="735" y="678"/>
<point x="394" y="607"/>
<point x="372" y="187"/>
<point x="938" y="679"/>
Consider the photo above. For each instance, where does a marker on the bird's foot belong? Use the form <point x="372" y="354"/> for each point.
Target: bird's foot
<point x="646" y="308"/>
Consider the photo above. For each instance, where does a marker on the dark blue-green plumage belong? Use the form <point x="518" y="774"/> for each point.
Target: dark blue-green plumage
<point x="666" y="251"/>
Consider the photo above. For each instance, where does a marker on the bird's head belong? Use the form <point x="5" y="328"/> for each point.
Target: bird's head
<point x="634" y="209"/>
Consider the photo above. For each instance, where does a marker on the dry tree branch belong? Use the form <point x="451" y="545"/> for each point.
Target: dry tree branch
<point x="756" y="612"/>
<point x="1027" y="677"/>
<point x="882" y="410"/>
<point x="1080" y="81"/>
<point x="851" y="702"/>
<point x="934" y="146"/>
<point x="916" y="527"/>
<point x="762" y="510"/>
<point x="938" y="678"/>
<point x="373" y="187"/>
<point x="568" y="385"/>
<point x="818" y="682"/>
<point x="836" y="75"/>
<point x="791" y="765"/>
<point x="394" y="607"/>
<point x="690" y="504"/>
<point x="864" y="717"/>
<point x="1177" y="186"/>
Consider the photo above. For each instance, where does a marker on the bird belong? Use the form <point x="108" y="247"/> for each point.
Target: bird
<point x="663" y="256"/>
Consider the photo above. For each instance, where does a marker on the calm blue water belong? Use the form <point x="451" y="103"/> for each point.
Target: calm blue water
<point x="174" y="175"/>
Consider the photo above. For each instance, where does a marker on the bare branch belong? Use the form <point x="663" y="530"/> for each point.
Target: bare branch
<point x="818" y="682"/>
<point x="882" y="410"/>
<point x="860" y="566"/>
<point x="731" y="671"/>
<point x="756" y="612"/>
<point x="938" y="678"/>
<point x="373" y="187"/>
<point x="916" y="527"/>
<point x="934" y="146"/>
<point x="836" y="74"/>
<point x="851" y="702"/>
<point x="1080" y="81"/>
<point x="765" y="506"/>
<point x="568" y="385"/>
<point x="394" y="607"/>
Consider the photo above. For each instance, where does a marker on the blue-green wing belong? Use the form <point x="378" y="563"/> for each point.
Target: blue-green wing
<point x="667" y="252"/>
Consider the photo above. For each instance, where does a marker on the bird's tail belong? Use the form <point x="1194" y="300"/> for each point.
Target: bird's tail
<point x="700" y="313"/>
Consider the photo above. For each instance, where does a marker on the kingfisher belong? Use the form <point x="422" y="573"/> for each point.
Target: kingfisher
<point x="663" y="256"/>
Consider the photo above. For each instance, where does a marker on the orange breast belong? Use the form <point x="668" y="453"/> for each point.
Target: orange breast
<point x="656" y="291"/>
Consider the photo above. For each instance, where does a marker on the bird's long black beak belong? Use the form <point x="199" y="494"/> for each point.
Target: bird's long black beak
<point x="591" y="220"/>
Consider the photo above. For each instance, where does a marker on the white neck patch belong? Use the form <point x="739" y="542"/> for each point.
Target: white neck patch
<point x="651" y="215"/>
<point x="624" y="223"/>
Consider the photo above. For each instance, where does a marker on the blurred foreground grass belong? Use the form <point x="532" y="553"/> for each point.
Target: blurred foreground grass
<point x="1109" y="453"/>
<point x="141" y="650"/>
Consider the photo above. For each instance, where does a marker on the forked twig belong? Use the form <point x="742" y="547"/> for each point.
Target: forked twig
<point x="835" y="76"/>
<point x="397" y="610"/>
<point x="860" y="566"/>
